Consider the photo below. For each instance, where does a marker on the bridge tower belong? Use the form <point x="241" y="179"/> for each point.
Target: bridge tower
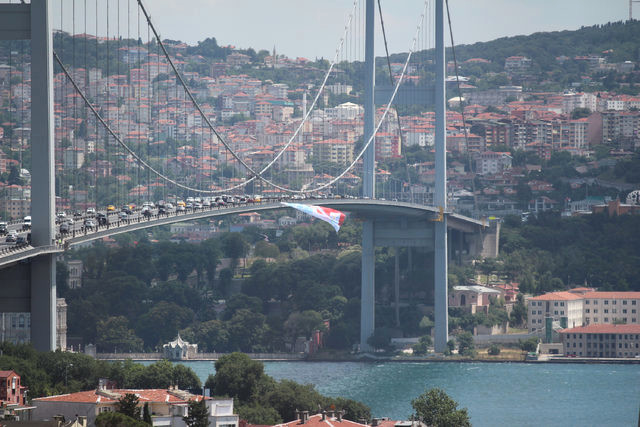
<point x="367" y="300"/>
<point x="404" y="234"/>
<point x="22" y="22"/>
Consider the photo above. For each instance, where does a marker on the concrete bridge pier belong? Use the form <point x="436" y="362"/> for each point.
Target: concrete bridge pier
<point x="367" y="299"/>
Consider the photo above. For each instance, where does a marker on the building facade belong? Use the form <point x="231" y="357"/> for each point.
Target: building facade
<point x="602" y="341"/>
<point x="167" y="406"/>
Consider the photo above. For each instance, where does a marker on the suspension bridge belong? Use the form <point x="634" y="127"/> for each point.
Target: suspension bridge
<point x="103" y="113"/>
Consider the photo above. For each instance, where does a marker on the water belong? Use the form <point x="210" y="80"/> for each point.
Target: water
<point x="496" y="394"/>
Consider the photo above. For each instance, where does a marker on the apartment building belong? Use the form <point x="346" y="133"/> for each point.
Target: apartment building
<point x="602" y="341"/>
<point x="491" y="162"/>
<point x="583" y="306"/>
<point x="611" y="307"/>
<point x="563" y="307"/>
<point x="333" y="150"/>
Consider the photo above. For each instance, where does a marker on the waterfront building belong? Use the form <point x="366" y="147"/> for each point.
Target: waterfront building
<point x="562" y="307"/>
<point x="474" y="298"/>
<point x="167" y="406"/>
<point x="179" y="349"/>
<point x="16" y="327"/>
<point x="602" y="341"/>
<point x="584" y="306"/>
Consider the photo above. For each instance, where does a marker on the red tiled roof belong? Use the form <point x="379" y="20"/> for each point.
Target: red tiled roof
<point x="316" y="421"/>
<point x="5" y="374"/>
<point x="557" y="296"/>
<point x="92" y="396"/>
<point x="612" y="295"/>
<point x="604" y="329"/>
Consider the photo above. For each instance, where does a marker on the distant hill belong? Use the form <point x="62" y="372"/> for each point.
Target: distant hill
<point x="620" y="41"/>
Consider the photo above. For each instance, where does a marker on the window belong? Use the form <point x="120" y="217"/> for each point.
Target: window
<point x="595" y="310"/>
<point x="614" y="310"/>
<point x="633" y="311"/>
<point x="606" y="302"/>
<point x="624" y="302"/>
<point x="561" y="312"/>
<point x="555" y="304"/>
<point x="633" y="302"/>
<point x="606" y="310"/>
<point x="587" y="310"/>
<point x="555" y="312"/>
<point x="586" y="302"/>
<point x="606" y="319"/>
<point x="624" y="311"/>
<point x="561" y="303"/>
<point x="539" y="311"/>
<point x="614" y="302"/>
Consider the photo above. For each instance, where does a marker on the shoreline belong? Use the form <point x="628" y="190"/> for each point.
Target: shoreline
<point x="374" y="359"/>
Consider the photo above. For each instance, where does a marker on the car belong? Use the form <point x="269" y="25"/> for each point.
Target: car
<point x="65" y="228"/>
<point x="126" y="209"/>
<point x="26" y="223"/>
<point x="21" y="240"/>
<point x="91" y="211"/>
<point x="123" y="216"/>
<point x="147" y="213"/>
<point x="3" y="228"/>
<point x="181" y="208"/>
<point x="111" y="208"/>
<point x="89" y="224"/>
<point x="11" y="237"/>
<point x="102" y="219"/>
<point x="77" y="214"/>
<point x="60" y="216"/>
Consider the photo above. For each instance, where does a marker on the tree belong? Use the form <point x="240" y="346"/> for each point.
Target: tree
<point x="236" y="376"/>
<point x="146" y="414"/>
<point x="421" y="347"/>
<point x="381" y="338"/>
<point x="114" y="334"/>
<point x="116" y="419"/>
<point x="465" y="344"/>
<point x="494" y="350"/>
<point x="435" y="408"/>
<point x="128" y="405"/>
<point x="451" y="345"/>
<point x="528" y="345"/>
<point x="197" y="415"/>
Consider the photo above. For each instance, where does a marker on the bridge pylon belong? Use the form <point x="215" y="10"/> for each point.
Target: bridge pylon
<point x="32" y="22"/>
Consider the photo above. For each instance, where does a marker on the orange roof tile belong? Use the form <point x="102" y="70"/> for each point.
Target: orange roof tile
<point x="557" y="296"/>
<point x="604" y="329"/>
<point x="92" y="396"/>
<point x="316" y="421"/>
<point x="612" y="295"/>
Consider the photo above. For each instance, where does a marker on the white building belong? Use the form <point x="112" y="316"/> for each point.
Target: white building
<point x="562" y="307"/>
<point x="490" y="162"/>
<point x="584" y="306"/>
<point x="167" y="406"/>
<point x="179" y="349"/>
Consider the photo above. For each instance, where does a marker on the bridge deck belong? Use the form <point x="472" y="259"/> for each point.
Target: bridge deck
<point x="359" y="207"/>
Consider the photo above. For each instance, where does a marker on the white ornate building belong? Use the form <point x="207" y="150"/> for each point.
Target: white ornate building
<point x="179" y="349"/>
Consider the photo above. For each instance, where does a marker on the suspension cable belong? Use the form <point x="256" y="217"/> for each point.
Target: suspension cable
<point x="384" y="114"/>
<point x="386" y="49"/>
<point x="464" y="121"/>
<point x="112" y="132"/>
<point x="222" y="140"/>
